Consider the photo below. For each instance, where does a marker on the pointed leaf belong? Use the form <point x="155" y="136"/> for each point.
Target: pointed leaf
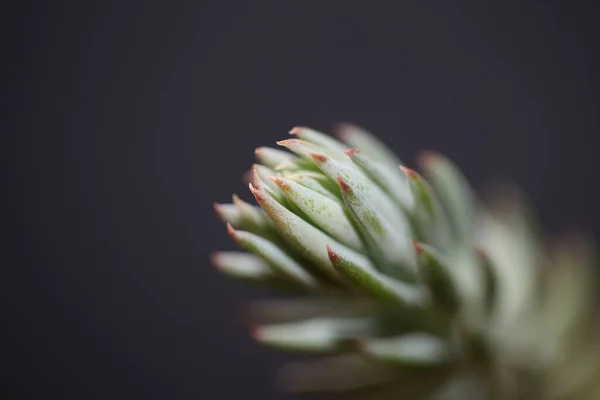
<point x="275" y="257"/>
<point x="430" y="221"/>
<point x="439" y="278"/>
<point x="390" y="244"/>
<point x="375" y="284"/>
<point x="454" y="193"/>
<point x="322" y="211"/>
<point x="307" y="239"/>
<point x="315" y="181"/>
<point x="317" y="335"/>
<point x="416" y="349"/>
<point x="251" y="269"/>
<point x="229" y="213"/>
<point x="289" y="310"/>
<point x="319" y="139"/>
<point x="273" y="157"/>
<point x="367" y="143"/>
<point x="391" y="180"/>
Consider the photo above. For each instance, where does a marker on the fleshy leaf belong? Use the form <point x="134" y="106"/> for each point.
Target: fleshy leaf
<point x="315" y="181"/>
<point x="273" y="255"/>
<point x="317" y="335"/>
<point x="389" y="244"/>
<point x="322" y="211"/>
<point x="438" y="277"/>
<point x="383" y="288"/>
<point x="415" y="349"/>
<point x="367" y="143"/>
<point x="320" y="139"/>
<point x="455" y="194"/>
<point x="251" y="269"/>
<point x="391" y="180"/>
<point x="229" y="213"/>
<point x="289" y="310"/>
<point x="307" y="239"/>
<point x="273" y="157"/>
<point x="429" y="219"/>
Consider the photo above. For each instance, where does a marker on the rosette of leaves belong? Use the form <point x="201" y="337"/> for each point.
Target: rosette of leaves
<point x="403" y="284"/>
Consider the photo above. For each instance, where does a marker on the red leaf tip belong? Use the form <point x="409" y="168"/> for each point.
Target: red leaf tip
<point x="279" y="182"/>
<point x="256" y="193"/>
<point x="417" y="246"/>
<point x="296" y="130"/>
<point x="255" y="333"/>
<point x="318" y="158"/>
<point x="343" y="185"/>
<point x="214" y="259"/>
<point x="232" y="233"/>
<point x="287" y="142"/>
<point x="332" y="256"/>
<point x="409" y="172"/>
<point x="426" y="158"/>
<point x="351" y="152"/>
<point x="479" y="253"/>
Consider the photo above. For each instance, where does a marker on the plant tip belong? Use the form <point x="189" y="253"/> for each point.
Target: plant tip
<point x="417" y="246"/>
<point x="318" y="158"/>
<point x="408" y="172"/>
<point x="296" y="130"/>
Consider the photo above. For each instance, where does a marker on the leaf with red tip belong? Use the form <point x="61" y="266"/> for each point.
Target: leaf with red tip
<point x="315" y="336"/>
<point x="307" y="240"/>
<point x="315" y="181"/>
<point x="322" y="211"/>
<point x="306" y="150"/>
<point x="388" y="241"/>
<point x="389" y="179"/>
<point x="319" y="139"/>
<point x="438" y="276"/>
<point x="455" y="194"/>
<point x="251" y="269"/>
<point x="388" y="238"/>
<point x="409" y="350"/>
<point x="273" y="157"/>
<point x="229" y="213"/>
<point x="430" y="221"/>
<point x="367" y="143"/>
<point x="375" y="284"/>
<point x="280" y="262"/>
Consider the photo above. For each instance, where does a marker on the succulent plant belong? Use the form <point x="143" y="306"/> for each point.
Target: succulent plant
<point x="405" y="285"/>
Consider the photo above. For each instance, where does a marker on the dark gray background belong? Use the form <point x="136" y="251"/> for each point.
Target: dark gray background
<point x="127" y="120"/>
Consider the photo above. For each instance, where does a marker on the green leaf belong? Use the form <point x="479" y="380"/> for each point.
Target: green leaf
<point x="415" y="349"/>
<point x="359" y="138"/>
<point x="315" y="181"/>
<point x="373" y="283"/>
<point x="430" y="221"/>
<point x="316" y="335"/>
<point x="320" y="139"/>
<point x="289" y="310"/>
<point x="308" y="240"/>
<point x="439" y="278"/>
<point x="455" y="194"/>
<point x="391" y="180"/>
<point x="251" y="269"/>
<point x="322" y="211"/>
<point x="229" y="213"/>
<point x="273" y="157"/>
<point x="388" y="237"/>
<point x="275" y="257"/>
